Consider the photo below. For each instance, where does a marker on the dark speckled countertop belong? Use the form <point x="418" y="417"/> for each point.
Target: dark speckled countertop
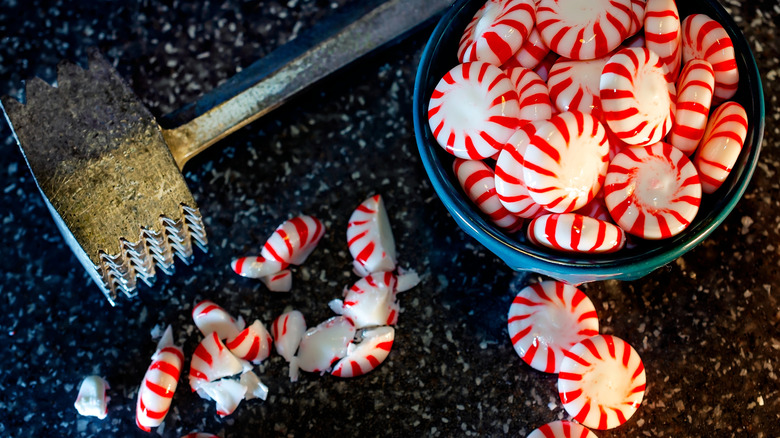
<point x="707" y="326"/>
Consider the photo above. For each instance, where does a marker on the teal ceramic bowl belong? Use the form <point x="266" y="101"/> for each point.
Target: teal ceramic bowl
<point x="628" y="264"/>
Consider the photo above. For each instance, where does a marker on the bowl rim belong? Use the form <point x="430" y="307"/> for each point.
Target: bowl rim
<point x="567" y="267"/>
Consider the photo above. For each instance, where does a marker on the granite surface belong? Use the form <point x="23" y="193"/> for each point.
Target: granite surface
<point x="707" y="326"/>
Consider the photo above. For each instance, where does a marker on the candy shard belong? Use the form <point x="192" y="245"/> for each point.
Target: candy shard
<point x="287" y="331"/>
<point x="323" y="345"/>
<point x="473" y="110"/>
<point x="254" y="387"/>
<point x="546" y="319"/>
<point x="252" y="344"/>
<point x="406" y="279"/>
<point x="366" y="355"/>
<point x="256" y="267"/>
<point x="210" y="318"/>
<point x="279" y="282"/>
<point x="497" y="31"/>
<point x="370" y="238"/>
<point x="562" y="429"/>
<point x="159" y="383"/>
<point x="601" y="382"/>
<point x="212" y="361"/>
<point x="227" y="393"/>
<point x="371" y="301"/>
<point x="92" y="400"/>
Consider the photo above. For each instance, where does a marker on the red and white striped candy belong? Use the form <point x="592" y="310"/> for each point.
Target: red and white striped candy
<point x="530" y="54"/>
<point x="510" y="187"/>
<point x="479" y="183"/>
<point x="601" y="382"/>
<point x="212" y="361"/>
<point x="637" y="97"/>
<point x="159" y="384"/>
<point x="574" y="85"/>
<point x="92" y="400"/>
<point x="323" y="346"/>
<point x="720" y="147"/>
<point x="562" y="429"/>
<point x="652" y="192"/>
<point x="366" y="355"/>
<point x="566" y="161"/>
<point x="663" y="35"/>
<point x="704" y="38"/>
<point x="252" y="344"/>
<point x="532" y="91"/>
<point x="597" y="208"/>
<point x="695" y="87"/>
<point x="370" y="239"/>
<point x="583" y="30"/>
<point x="543" y="68"/>
<point x="290" y="244"/>
<point x="473" y="110"/>
<point x="546" y="319"/>
<point x="279" y="282"/>
<point x="637" y="17"/>
<point x="370" y="301"/>
<point x="497" y="31"/>
<point x="571" y="232"/>
<point x="287" y="331"/>
<point x="209" y="317"/>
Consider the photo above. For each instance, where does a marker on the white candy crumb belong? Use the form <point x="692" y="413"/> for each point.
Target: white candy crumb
<point x="92" y="400"/>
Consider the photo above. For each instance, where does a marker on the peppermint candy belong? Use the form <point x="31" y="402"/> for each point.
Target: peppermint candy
<point x="720" y="147"/>
<point x="601" y="382"/>
<point x="695" y="86"/>
<point x="530" y="54"/>
<point x="652" y="192"/>
<point x="209" y="317"/>
<point x="212" y="361"/>
<point x="290" y="244"/>
<point x="574" y="85"/>
<point x="566" y="161"/>
<point x="159" y="383"/>
<point x="663" y="35"/>
<point x="288" y="329"/>
<point x="370" y="301"/>
<point x="572" y="232"/>
<point x="704" y="38"/>
<point x="637" y="17"/>
<point x="510" y="187"/>
<point x="546" y="319"/>
<point x="253" y="344"/>
<point x="497" y="31"/>
<point x="323" y="346"/>
<point x="366" y="355"/>
<point x="279" y="282"/>
<point x="543" y="68"/>
<point x="637" y="97"/>
<point x="532" y="91"/>
<point x="370" y="239"/>
<point x="92" y="400"/>
<point x="478" y="181"/>
<point x="473" y="110"/>
<point x="562" y="429"/>
<point x="583" y="30"/>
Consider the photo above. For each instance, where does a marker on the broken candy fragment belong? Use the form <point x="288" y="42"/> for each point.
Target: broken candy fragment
<point x="252" y="344"/>
<point x="279" y="282"/>
<point x="254" y="387"/>
<point x="366" y="355"/>
<point x="370" y="238"/>
<point x="211" y="361"/>
<point x="287" y="330"/>
<point x="92" y="400"/>
<point x="323" y="346"/>
<point x="227" y="393"/>
<point x="210" y="317"/>
<point x="159" y="383"/>
<point x="370" y="301"/>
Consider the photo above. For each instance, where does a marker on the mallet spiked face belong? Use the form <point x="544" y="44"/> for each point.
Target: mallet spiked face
<point x="110" y="175"/>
